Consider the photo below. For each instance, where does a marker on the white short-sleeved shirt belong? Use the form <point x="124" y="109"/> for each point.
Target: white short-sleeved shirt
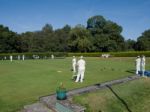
<point x="143" y="61"/>
<point x="81" y="64"/>
<point x="138" y="61"/>
<point x="74" y="61"/>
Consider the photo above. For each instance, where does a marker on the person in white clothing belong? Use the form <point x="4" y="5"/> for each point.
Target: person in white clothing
<point x="22" y="57"/>
<point x="81" y="69"/>
<point x="74" y="66"/>
<point x="52" y="56"/>
<point x="143" y="64"/>
<point x="11" y="57"/>
<point x="137" y="63"/>
<point x="74" y="62"/>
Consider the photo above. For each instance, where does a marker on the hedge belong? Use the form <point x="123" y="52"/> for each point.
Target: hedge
<point x="130" y="54"/>
<point x="47" y="55"/>
<point x="97" y="54"/>
<point x="113" y="54"/>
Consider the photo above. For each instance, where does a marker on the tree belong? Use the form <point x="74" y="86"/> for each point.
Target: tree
<point x="112" y="28"/>
<point x="47" y="28"/>
<point x="106" y="35"/>
<point x="95" y="24"/>
<point x="99" y="35"/>
<point x="47" y="38"/>
<point x="143" y="42"/>
<point x="61" y="37"/>
<point x="9" y="41"/>
<point x="27" y="41"/>
<point x="79" y="39"/>
<point x="130" y="45"/>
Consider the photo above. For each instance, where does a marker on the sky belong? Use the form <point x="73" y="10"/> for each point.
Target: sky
<point x="31" y="15"/>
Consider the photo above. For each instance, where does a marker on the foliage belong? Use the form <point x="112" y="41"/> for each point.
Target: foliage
<point x="9" y="41"/>
<point x="79" y="39"/>
<point x="47" y="55"/>
<point x="95" y="54"/>
<point x="130" y="45"/>
<point x="130" y="54"/>
<point x="113" y="54"/>
<point x="106" y="34"/>
<point x="100" y="35"/>
<point x="143" y="42"/>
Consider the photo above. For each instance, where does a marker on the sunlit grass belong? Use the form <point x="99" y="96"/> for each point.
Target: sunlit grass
<point x="23" y="82"/>
<point x="129" y="97"/>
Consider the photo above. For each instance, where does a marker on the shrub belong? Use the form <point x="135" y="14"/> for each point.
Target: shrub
<point x="96" y="54"/>
<point x="112" y="54"/>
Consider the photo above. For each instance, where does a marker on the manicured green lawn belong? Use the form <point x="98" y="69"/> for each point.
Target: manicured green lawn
<point x="23" y="82"/>
<point x="133" y="96"/>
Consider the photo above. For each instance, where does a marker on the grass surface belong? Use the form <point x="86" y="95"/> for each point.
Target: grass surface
<point x="129" y="97"/>
<point x="23" y="82"/>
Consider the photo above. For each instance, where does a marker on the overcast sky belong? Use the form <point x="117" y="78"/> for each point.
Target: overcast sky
<point x="31" y="15"/>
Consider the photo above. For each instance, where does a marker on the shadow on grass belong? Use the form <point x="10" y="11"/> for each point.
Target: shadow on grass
<point x="131" y="71"/>
<point x="118" y="97"/>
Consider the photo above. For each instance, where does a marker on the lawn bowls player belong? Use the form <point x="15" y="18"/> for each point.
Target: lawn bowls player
<point x="137" y="63"/>
<point x="81" y="69"/>
<point x="74" y="62"/>
<point x="74" y="67"/>
<point x="22" y="57"/>
<point x="143" y="64"/>
<point x="11" y="57"/>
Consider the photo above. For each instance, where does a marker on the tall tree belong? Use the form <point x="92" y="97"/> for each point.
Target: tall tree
<point x="130" y="45"/>
<point x="143" y="42"/>
<point x="79" y="39"/>
<point x="61" y="37"/>
<point x="95" y="24"/>
<point x="27" y="42"/>
<point x="47" y="28"/>
<point x="9" y="41"/>
<point x="106" y="34"/>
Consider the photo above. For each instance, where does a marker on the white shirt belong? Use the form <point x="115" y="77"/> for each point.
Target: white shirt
<point x="81" y="64"/>
<point x="138" y="61"/>
<point x="142" y="61"/>
<point x="74" y="61"/>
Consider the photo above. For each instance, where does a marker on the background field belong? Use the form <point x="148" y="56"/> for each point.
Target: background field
<point x="23" y="82"/>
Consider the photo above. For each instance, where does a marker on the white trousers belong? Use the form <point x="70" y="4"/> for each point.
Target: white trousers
<point x="143" y="69"/>
<point x="74" y="67"/>
<point x="137" y="69"/>
<point x="80" y="75"/>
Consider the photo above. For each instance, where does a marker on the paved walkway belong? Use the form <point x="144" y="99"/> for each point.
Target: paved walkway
<point x="48" y="103"/>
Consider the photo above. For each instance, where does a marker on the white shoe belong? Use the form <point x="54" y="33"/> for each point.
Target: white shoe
<point x="81" y="81"/>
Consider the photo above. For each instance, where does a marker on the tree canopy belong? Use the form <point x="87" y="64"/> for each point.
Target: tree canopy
<point x="100" y="35"/>
<point x="143" y="42"/>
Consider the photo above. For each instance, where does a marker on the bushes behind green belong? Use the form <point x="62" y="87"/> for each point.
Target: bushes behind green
<point x="130" y="54"/>
<point x="47" y="55"/>
<point x="96" y="54"/>
<point x="113" y="54"/>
